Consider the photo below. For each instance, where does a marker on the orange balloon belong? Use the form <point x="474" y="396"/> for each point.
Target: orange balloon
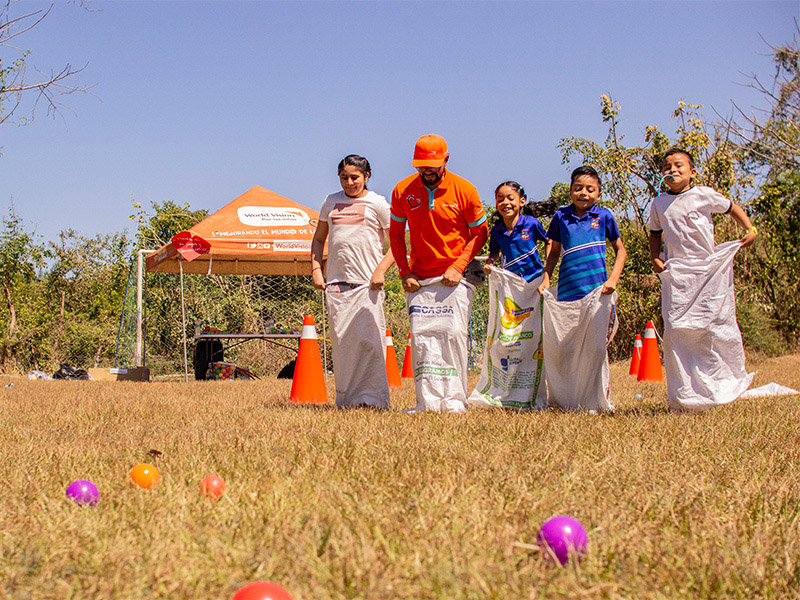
<point x="212" y="486"/>
<point x="262" y="590"/>
<point x="144" y="475"/>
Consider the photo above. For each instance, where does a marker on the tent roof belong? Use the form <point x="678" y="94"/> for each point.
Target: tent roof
<point x="260" y="232"/>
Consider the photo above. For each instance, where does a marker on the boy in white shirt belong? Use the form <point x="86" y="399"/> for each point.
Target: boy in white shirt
<point x="703" y="353"/>
<point x="682" y="216"/>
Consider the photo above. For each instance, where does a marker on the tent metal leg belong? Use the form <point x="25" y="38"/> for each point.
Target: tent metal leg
<point x="183" y="322"/>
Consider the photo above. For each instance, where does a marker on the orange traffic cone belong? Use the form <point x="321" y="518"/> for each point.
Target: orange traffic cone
<point x="407" y="373"/>
<point x="637" y="355"/>
<point x="308" y="384"/>
<point x="392" y="373"/>
<point x="650" y="364"/>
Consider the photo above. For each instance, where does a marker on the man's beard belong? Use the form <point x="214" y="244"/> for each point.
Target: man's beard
<point x="431" y="179"/>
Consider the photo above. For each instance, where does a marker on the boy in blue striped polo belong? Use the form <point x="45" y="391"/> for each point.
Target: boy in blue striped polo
<point x="578" y="235"/>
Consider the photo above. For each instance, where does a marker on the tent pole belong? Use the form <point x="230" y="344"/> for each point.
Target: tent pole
<point x="183" y="321"/>
<point x="139" y="359"/>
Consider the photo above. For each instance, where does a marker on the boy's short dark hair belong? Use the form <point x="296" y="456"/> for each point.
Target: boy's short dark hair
<point x="676" y="150"/>
<point x="585" y="170"/>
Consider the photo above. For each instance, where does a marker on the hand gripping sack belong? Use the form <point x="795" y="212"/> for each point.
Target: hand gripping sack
<point x="703" y="352"/>
<point x="357" y="330"/>
<point x="576" y="335"/>
<point x="439" y="319"/>
<point x="512" y="373"/>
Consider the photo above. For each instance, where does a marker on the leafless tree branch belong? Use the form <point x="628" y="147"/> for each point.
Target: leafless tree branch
<point x="46" y="88"/>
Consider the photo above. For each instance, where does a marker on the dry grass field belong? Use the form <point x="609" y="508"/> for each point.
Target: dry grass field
<point x="386" y="505"/>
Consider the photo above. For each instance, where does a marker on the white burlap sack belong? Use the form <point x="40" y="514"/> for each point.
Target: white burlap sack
<point x="512" y="373"/>
<point x="358" y="334"/>
<point x="439" y="319"/>
<point x="703" y="352"/>
<point x="576" y="334"/>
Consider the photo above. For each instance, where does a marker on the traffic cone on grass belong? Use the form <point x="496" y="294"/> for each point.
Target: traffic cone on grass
<point x="392" y="372"/>
<point x="650" y="364"/>
<point x="637" y="355"/>
<point x="407" y="373"/>
<point x="308" y="384"/>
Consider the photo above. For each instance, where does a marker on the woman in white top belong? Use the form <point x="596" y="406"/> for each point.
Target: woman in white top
<point x="355" y="222"/>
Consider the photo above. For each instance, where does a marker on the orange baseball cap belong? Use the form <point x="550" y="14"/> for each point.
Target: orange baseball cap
<point x="430" y="151"/>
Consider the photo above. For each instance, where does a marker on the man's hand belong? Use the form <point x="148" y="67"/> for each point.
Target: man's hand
<point x="410" y="283"/>
<point x="452" y="277"/>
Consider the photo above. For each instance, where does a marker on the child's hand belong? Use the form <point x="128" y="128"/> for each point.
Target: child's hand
<point x="318" y="279"/>
<point x="545" y="285"/>
<point x="487" y="268"/>
<point x="748" y="239"/>
<point x="377" y="280"/>
<point x="658" y="265"/>
<point x="609" y="287"/>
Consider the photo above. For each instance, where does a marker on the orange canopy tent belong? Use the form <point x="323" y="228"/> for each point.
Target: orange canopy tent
<point x="259" y="233"/>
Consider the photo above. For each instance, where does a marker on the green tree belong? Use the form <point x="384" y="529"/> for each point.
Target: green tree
<point x="156" y="228"/>
<point x="20" y="256"/>
<point x="769" y="150"/>
<point x="631" y="176"/>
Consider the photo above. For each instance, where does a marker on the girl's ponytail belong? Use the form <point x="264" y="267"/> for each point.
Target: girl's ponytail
<point x="545" y="208"/>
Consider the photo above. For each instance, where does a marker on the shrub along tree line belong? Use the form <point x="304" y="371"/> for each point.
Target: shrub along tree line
<point x="62" y="300"/>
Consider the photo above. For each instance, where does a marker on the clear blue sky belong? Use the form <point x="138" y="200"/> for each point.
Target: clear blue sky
<point x="198" y="101"/>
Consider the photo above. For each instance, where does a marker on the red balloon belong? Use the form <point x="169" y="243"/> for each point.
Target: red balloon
<point x="262" y="590"/>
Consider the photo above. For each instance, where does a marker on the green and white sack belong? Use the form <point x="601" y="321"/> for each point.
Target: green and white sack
<point x="512" y="373"/>
<point x="439" y="319"/>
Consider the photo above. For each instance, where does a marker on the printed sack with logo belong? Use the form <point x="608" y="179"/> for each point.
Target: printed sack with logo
<point x="512" y="373"/>
<point x="439" y="319"/>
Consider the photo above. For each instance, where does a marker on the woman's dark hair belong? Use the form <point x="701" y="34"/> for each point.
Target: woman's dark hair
<point x="359" y="162"/>
<point x="585" y="170"/>
<point x="546" y="208"/>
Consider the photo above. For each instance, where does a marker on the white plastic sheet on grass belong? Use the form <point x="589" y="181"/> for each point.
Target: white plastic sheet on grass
<point x="512" y="373"/>
<point x="439" y="320"/>
<point x="770" y="389"/>
<point x="703" y="352"/>
<point x="576" y="335"/>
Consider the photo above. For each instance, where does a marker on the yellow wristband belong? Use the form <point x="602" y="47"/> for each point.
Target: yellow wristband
<point x="753" y="229"/>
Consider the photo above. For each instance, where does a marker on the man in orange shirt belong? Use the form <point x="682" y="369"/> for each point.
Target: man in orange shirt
<point x="446" y="221"/>
<point x="447" y="228"/>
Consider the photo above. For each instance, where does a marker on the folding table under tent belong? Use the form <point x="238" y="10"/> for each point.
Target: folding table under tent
<point x="258" y="233"/>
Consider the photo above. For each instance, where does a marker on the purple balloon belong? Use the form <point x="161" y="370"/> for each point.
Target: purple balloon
<point x="564" y="536"/>
<point x="83" y="492"/>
